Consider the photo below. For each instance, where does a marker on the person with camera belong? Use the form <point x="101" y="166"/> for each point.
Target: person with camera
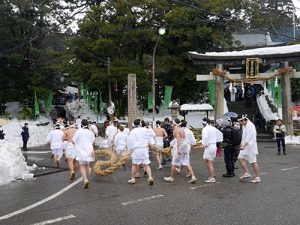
<point x="279" y="132"/>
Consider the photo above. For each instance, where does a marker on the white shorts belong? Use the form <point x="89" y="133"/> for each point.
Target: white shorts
<point x="210" y="152"/>
<point x="159" y="142"/>
<point x="250" y="157"/>
<point x="84" y="163"/>
<point x="58" y="151"/>
<point x="141" y="161"/>
<point x="184" y="158"/>
<point x="70" y="151"/>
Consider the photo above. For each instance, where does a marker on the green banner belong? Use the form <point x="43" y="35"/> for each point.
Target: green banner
<point x="212" y="92"/>
<point x="36" y="105"/>
<point x="277" y="95"/>
<point x="168" y="96"/>
<point x="150" y="100"/>
<point x="96" y="104"/>
<point x="89" y="99"/>
<point x="100" y="103"/>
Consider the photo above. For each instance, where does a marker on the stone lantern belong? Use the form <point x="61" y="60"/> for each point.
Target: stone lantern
<point x="174" y="106"/>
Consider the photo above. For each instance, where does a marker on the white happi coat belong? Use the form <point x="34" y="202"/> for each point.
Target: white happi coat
<point x="249" y="137"/>
<point x="138" y="141"/>
<point x="120" y="141"/>
<point x="78" y="123"/>
<point x="189" y="135"/>
<point x="94" y="129"/>
<point x="209" y="135"/>
<point x="84" y="139"/>
<point x="219" y="135"/>
<point x="55" y="138"/>
<point x="110" y="132"/>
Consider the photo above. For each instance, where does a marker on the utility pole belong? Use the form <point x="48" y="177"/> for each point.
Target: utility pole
<point x="109" y="81"/>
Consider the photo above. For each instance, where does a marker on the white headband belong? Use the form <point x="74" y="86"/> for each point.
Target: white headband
<point x="243" y="117"/>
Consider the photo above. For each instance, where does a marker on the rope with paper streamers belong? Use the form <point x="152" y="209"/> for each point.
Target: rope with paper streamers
<point x="166" y="151"/>
<point x="223" y="73"/>
<point x="111" y="164"/>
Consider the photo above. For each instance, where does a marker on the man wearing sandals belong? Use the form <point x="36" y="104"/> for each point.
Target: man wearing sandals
<point x="248" y="149"/>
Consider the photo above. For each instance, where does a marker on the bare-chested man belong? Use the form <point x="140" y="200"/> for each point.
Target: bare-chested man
<point x="160" y="134"/>
<point x="70" y="150"/>
<point x="181" y="152"/>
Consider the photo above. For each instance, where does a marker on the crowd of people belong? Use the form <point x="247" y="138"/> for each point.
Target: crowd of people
<point x="76" y="140"/>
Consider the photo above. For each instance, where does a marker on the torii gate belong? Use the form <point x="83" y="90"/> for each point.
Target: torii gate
<point x="283" y="55"/>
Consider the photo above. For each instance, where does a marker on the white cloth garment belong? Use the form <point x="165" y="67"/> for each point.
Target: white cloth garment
<point x="233" y="91"/>
<point x="219" y="135"/>
<point x="189" y="135"/>
<point x="159" y="142"/>
<point x="84" y="139"/>
<point x="137" y="142"/>
<point x="120" y="142"/>
<point x="70" y="151"/>
<point x="55" y="138"/>
<point x="78" y="123"/>
<point x="249" y="137"/>
<point x="209" y="140"/>
<point x="110" y="132"/>
<point x="184" y="158"/>
<point x="94" y="129"/>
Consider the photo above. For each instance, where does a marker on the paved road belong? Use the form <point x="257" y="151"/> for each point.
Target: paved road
<point x="110" y="200"/>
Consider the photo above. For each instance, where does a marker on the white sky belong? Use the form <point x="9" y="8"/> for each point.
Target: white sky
<point x="297" y="5"/>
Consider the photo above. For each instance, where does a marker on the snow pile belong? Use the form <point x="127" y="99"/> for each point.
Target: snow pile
<point x="69" y="89"/>
<point x="12" y="163"/>
<point x="37" y="134"/>
<point x="265" y="109"/>
<point x="225" y="106"/>
<point x="196" y="107"/>
<point x="292" y="140"/>
<point x="81" y="108"/>
<point x="13" y="108"/>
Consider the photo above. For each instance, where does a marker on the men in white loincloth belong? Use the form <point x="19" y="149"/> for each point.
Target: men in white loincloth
<point x="78" y="122"/>
<point x="93" y="127"/>
<point x="110" y="133"/>
<point x="180" y="153"/>
<point x="70" y="149"/>
<point x="138" y="142"/>
<point x="55" y="139"/>
<point x="209" y="141"/>
<point x="84" y="140"/>
<point x="160" y="134"/>
<point x="248" y="149"/>
<point x="120" y="141"/>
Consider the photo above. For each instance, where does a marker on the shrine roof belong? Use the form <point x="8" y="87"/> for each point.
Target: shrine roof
<point x="290" y="53"/>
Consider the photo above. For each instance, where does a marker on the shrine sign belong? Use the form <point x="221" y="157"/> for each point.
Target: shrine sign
<point x="252" y="68"/>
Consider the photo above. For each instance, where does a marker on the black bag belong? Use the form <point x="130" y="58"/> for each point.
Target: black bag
<point x="236" y="135"/>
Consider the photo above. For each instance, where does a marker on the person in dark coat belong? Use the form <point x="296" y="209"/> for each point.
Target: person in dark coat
<point x="25" y="136"/>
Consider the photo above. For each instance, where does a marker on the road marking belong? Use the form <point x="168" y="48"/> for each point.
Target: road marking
<point x="55" y="220"/>
<point x="203" y="185"/>
<point x="263" y="174"/>
<point x="291" y="168"/>
<point x="142" y="200"/>
<point x="36" y="152"/>
<point x="42" y="201"/>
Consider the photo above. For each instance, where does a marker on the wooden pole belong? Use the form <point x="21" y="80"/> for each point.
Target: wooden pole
<point x="132" y="102"/>
<point x="219" y="93"/>
<point x="287" y="115"/>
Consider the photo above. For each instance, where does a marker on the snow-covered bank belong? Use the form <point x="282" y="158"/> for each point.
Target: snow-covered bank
<point x="38" y="134"/>
<point x="265" y="109"/>
<point x="12" y="163"/>
<point x="81" y="108"/>
<point x="293" y="140"/>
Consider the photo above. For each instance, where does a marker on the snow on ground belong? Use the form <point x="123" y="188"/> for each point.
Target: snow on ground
<point x="265" y="109"/>
<point x="13" y="108"/>
<point x="37" y="134"/>
<point x="69" y="89"/>
<point x="292" y="140"/>
<point x="80" y="108"/>
<point x="12" y="163"/>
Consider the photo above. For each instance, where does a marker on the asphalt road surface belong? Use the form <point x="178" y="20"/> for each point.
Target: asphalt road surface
<point x="53" y="199"/>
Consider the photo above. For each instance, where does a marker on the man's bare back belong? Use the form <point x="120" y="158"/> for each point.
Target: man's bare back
<point x="69" y="133"/>
<point x="160" y="132"/>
